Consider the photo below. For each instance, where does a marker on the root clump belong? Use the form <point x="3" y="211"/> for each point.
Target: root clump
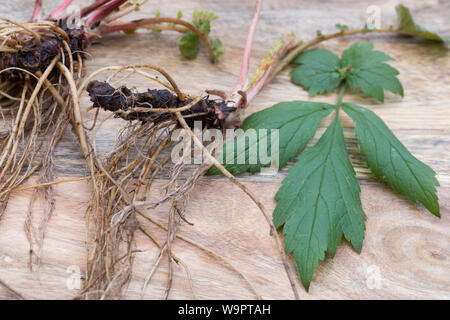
<point x="137" y="106"/>
<point x="35" y="54"/>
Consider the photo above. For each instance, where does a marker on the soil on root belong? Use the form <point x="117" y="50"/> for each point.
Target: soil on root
<point x="122" y="101"/>
<point x="32" y="56"/>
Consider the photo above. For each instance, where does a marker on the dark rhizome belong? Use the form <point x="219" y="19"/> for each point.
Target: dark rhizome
<point x="122" y="101"/>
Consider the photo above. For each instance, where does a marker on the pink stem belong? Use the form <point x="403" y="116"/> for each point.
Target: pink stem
<point x="104" y="11"/>
<point x="37" y="10"/>
<point x="248" y="49"/>
<point x="92" y="7"/>
<point x="288" y="42"/>
<point x="119" y="15"/>
<point x="251" y="92"/>
<point x="255" y="89"/>
<point x="118" y="26"/>
<point x="60" y="9"/>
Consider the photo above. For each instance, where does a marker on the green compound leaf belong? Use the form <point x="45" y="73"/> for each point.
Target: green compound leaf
<point x="406" y="24"/>
<point x="365" y="69"/>
<point x="387" y="157"/>
<point x="297" y="122"/>
<point x="318" y="201"/>
<point x="318" y="71"/>
<point x="189" y="45"/>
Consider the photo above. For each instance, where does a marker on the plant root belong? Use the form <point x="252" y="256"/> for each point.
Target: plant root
<point x="38" y="62"/>
<point x="140" y="151"/>
<point x="155" y="111"/>
<point x="156" y="105"/>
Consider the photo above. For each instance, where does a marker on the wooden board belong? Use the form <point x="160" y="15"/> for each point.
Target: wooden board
<point x="406" y="252"/>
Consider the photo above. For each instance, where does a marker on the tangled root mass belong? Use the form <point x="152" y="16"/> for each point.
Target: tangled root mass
<point x="34" y="57"/>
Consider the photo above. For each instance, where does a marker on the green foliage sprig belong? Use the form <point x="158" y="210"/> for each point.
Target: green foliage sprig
<point x="319" y="200"/>
<point x="189" y="44"/>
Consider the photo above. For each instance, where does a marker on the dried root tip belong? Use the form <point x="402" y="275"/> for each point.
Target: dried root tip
<point x="35" y="57"/>
<point x="131" y="106"/>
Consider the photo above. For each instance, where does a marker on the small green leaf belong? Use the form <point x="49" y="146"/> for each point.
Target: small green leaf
<point x="406" y="24"/>
<point x="341" y="27"/>
<point x="297" y="122"/>
<point x="387" y="157"/>
<point x="189" y="45"/>
<point x="319" y="33"/>
<point x="318" y="201"/>
<point x="365" y="69"/>
<point x="179" y="15"/>
<point x="202" y="20"/>
<point x="216" y="44"/>
<point x="204" y="15"/>
<point x="318" y="71"/>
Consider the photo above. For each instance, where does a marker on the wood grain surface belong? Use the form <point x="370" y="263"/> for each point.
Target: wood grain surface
<point x="406" y="252"/>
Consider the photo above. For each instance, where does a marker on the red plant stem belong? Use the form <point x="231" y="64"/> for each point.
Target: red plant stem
<point x="60" y="9"/>
<point x="37" y="10"/>
<point x="255" y="87"/>
<point x="248" y="49"/>
<point x="141" y="23"/>
<point x="104" y="11"/>
<point x="144" y="22"/>
<point x="119" y="15"/>
<point x="92" y="7"/>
